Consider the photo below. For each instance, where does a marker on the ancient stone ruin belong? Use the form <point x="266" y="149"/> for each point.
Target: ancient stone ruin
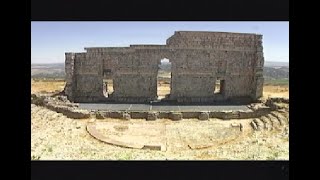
<point x="199" y="60"/>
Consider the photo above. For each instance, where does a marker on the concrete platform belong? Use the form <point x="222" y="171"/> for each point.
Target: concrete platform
<point x="149" y="107"/>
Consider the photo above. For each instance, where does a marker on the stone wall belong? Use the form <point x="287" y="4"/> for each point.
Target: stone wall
<point x="198" y="60"/>
<point x="70" y="77"/>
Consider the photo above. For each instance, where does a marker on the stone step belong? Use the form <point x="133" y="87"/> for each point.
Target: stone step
<point x="274" y="120"/>
<point x="282" y="120"/>
<point x="259" y="123"/>
<point x="254" y="125"/>
<point x="267" y="123"/>
<point x="285" y="114"/>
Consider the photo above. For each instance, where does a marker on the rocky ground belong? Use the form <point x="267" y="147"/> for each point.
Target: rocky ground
<point x="56" y="137"/>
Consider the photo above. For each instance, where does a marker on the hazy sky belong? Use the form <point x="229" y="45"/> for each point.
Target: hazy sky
<point x="50" y="40"/>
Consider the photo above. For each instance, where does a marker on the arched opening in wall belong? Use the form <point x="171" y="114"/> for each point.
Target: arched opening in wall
<point x="164" y="79"/>
<point x="107" y="83"/>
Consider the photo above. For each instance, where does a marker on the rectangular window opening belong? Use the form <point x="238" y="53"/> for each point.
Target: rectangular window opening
<point x="164" y="79"/>
<point x="108" y="87"/>
<point x="219" y="86"/>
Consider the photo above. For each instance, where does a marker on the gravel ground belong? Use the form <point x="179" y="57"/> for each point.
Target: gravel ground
<point x="56" y="137"/>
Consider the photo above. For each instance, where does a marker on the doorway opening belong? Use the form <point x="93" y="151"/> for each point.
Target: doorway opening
<point x="107" y="83"/>
<point x="219" y="86"/>
<point x="164" y="79"/>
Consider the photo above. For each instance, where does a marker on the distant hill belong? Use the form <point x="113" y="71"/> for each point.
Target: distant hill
<point x="276" y="64"/>
<point x="165" y="66"/>
<point x="272" y="70"/>
<point x="272" y="73"/>
<point x="276" y="70"/>
<point x="55" y="70"/>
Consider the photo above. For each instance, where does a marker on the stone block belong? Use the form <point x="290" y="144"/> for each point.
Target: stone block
<point x="175" y="115"/>
<point x="126" y="116"/>
<point x="204" y="116"/>
<point x="152" y="116"/>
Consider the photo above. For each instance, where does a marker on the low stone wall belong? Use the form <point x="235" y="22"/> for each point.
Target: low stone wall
<point x="61" y="105"/>
<point x="68" y="111"/>
<point x="278" y="100"/>
<point x="274" y="103"/>
<point x="183" y="115"/>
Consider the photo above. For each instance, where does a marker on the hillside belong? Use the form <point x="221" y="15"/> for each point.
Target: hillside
<point x="47" y="70"/>
<point x="276" y="64"/>
<point x="276" y="73"/>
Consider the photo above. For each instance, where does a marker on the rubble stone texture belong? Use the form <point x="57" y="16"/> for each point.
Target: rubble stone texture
<point x="198" y="60"/>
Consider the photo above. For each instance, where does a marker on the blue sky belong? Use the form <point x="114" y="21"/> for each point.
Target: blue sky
<point x="50" y="40"/>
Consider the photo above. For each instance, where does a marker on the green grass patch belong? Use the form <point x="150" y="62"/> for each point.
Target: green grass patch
<point x="277" y="82"/>
<point x="48" y="79"/>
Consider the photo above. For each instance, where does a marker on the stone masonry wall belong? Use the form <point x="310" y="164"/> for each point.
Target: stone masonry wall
<point x="198" y="60"/>
<point x="203" y="57"/>
<point x="70" y="77"/>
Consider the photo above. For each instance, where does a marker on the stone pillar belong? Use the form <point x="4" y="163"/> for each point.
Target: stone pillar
<point x="70" y="79"/>
<point x="258" y="70"/>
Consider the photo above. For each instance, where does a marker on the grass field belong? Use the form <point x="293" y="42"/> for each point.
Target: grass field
<point x="277" y="82"/>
